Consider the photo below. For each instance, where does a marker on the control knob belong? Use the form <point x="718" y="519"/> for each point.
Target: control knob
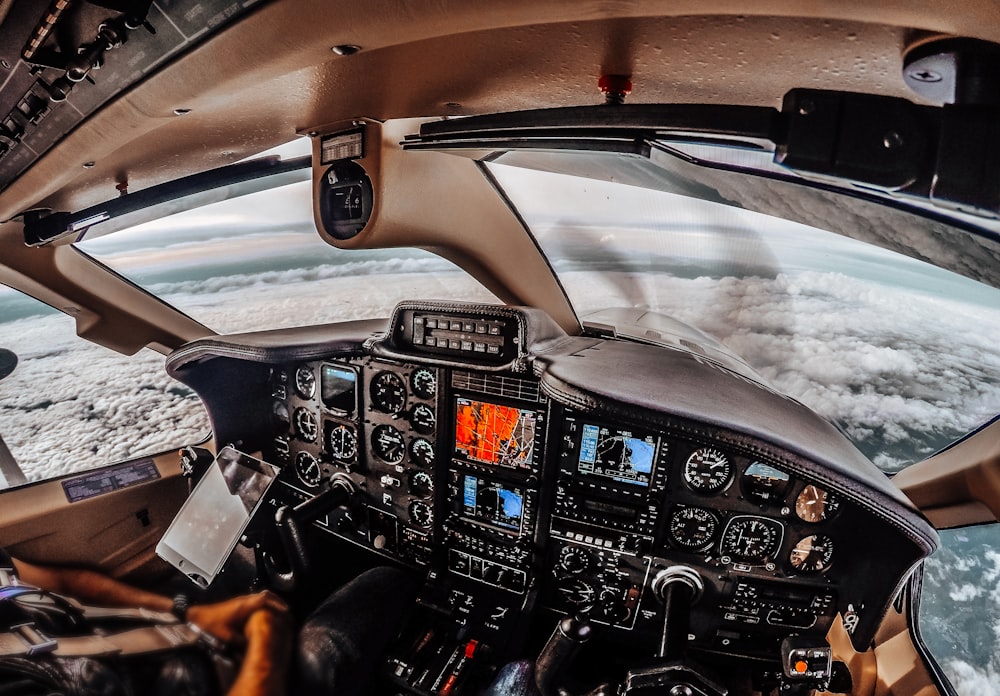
<point x="575" y="560"/>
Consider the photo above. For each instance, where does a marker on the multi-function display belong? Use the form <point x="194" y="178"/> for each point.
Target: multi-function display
<point x="492" y="502"/>
<point x="488" y="433"/>
<point x="619" y="455"/>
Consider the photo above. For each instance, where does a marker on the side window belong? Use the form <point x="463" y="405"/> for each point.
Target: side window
<point x="71" y="405"/>
<point x="960" y="608"/>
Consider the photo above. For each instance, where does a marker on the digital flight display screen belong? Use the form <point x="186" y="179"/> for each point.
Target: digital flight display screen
<point x="495" y="503"/>
<point x="338" y="388"/>
<point x="493" y="434"/>
<point x="616" y="454"/>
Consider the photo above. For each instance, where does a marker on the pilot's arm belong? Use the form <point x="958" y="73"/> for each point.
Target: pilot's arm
<point x="260" y="621"/>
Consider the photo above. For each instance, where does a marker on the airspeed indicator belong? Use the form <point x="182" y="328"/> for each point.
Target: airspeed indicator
<point x="707" y="470"/>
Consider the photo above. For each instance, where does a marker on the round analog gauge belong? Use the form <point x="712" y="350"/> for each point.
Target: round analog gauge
<point x="751" y="539"/>
<point x="422" y="452"/>
<point x="576" y="591"/>
<point x="305" y="382"/>
<point x="388" y="392"/>
<point x="342" y="443"/>
<point x="308" y="469"/>
<point x="421" y="514"/>
<point x="424" y="383"/>
<point x="422" y="419"/>
<point x="421" y="484"/>
<point x="305" y="425"/>
<point x="388" y="444"/>
<point x="281" y="416"/>
<point x="814" y="554"/>
<point x="764" y="484"/>
<point x="575" y="560"/>
<point x="707" y="470"/>
<point x="693" y="528"/>
<point x="816" y="505"/>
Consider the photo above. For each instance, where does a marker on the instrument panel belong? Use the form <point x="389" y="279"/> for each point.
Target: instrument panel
<point x="528" y="475"/>
<point x="481" y="476"/>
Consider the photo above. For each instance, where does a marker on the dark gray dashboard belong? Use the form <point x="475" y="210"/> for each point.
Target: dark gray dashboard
<point x="563" y="473"/>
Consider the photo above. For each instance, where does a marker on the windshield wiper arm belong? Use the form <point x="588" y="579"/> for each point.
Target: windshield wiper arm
<point x="240" y="179"/>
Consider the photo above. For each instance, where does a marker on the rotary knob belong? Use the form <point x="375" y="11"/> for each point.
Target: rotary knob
<point x="575" y="560"/>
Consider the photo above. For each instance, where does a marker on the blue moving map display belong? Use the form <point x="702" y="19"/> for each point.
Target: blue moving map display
<point x="616" y="454"/>
<point x="492" y="502"/>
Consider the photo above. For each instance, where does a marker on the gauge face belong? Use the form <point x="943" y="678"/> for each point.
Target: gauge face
<point x="707" y="470"/>
<point x="422" y="452"/>
<point x="693" y="528"/>
<point x="422" y="419"/>
<point x="764" y="484"/>
<point x="424" y="383"/>
<point x="816" y="505"/>
<point x="342" y="443"/>
<point x="388" y="392"/>
<point x="575" y="560"/>
<point x="814" y="554"/>
<point x="305" y="425"/>
<point x="576" y="591"/>
<point x="421" y="514"/>
<point x="387" y="443"/>
<point x="305" y="381"/>
<point x="751" y="539"/>
<point x="308" y="469"/>
<point x="421" y="484"/>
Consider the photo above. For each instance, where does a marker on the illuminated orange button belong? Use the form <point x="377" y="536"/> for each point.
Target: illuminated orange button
<point x="801" y="666"/>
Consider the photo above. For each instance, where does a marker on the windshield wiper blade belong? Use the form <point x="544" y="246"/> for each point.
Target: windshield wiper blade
<point x="239" y="179"/>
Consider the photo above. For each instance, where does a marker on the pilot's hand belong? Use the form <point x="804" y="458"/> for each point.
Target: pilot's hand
<point x="228" y="620"/>
<point x="268" y="652"/>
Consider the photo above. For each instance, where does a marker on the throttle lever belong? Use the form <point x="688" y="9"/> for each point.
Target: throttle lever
<point x="288" y="523"/>
<point x="569" y="634"/>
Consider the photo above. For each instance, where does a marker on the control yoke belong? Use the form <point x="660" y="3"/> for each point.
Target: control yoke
<point x="288" y="521"/>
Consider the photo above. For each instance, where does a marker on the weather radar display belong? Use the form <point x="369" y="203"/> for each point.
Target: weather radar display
<point x="493" y="434"/>
<point x="616" y="454"/>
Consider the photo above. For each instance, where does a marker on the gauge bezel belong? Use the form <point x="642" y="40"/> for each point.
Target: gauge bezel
<point x="421" y="505"/>
<point x="762" y="558"/>
<point x="421" y="425"/>
<point x="421" y="490"/>
<point x="302" y="457"/>
<point x="308" y="391"/>
<point x="378" y="393"/>
<point x="331" y="427"/>
<point x="758" y="493"/>
<point x="831" y="505"/>
<point x="304" y="415"/>
<point x="693" y="482"/>
<point x="379" y="450"/>
<point x="417" y="459"/>
<point x="415" y="385"/>
<point x="688" y="544"/>
<point x="826" y="556"/>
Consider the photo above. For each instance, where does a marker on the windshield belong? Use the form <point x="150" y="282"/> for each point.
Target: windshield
<point x="902" y="356"/>
<point x="256" y="262"/>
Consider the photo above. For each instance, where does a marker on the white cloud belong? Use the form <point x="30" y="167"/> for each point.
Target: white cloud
<point x="965" y="593"/>
<point x="973" y="681"/>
